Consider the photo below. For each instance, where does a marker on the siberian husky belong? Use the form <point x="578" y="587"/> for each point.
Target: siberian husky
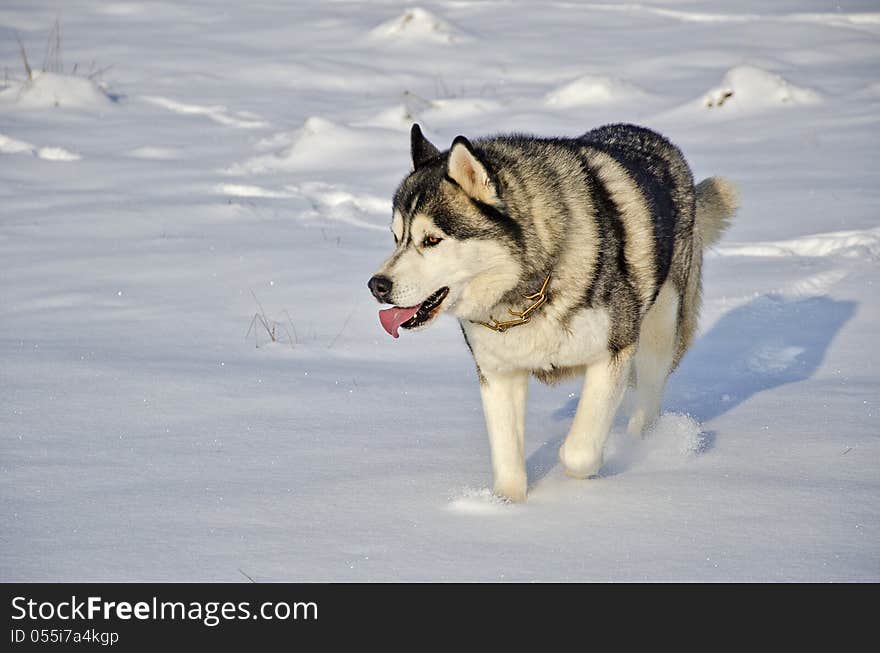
<point x="558" y="257"/>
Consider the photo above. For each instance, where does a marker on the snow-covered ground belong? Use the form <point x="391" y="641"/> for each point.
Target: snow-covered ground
<point x="181" y="167"/>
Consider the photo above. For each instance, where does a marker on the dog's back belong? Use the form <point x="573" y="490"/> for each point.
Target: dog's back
<point x="685" y="218"/>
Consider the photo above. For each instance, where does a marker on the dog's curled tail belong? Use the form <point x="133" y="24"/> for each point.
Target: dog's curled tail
<point x="717" y="201"/>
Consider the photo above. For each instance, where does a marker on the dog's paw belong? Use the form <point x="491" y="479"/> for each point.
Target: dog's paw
<point x="580" y="462"/>
<point x="641" y="421"/>
<point x="511" y="489"/>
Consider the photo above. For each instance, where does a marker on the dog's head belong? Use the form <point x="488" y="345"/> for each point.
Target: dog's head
<point x="455" y="245"/>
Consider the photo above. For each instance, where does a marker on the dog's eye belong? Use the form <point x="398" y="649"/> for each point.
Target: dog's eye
<point x="430" y="241"/>
<point x="395" y="237"/>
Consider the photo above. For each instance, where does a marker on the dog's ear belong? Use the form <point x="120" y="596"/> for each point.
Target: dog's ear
<point x="466" y="170"/>
<point x="420" y="147"/>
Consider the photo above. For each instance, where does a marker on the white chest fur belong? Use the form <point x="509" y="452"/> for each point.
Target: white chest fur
<point x="543" y="343"/>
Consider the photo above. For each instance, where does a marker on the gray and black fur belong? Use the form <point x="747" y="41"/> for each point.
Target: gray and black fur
<point x="613" y="216"/>
<point x="558" y="182"/>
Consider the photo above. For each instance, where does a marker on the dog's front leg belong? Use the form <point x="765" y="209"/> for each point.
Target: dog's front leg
<point x="604" y="383"/>
<point x="504" y="405"/>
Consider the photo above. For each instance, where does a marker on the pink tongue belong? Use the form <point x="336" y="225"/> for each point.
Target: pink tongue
<point x="392" y="318"/>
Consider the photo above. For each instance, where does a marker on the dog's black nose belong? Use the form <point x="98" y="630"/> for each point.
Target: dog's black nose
<point x="380" y="286"/>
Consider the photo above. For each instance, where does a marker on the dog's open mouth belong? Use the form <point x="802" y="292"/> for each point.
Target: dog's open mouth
<point x="412" y="317"/>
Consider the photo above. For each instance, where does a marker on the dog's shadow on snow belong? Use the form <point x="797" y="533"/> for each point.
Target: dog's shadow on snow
<point x="767" y="343"/>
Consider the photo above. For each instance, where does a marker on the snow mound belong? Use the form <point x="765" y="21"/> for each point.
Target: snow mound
<point x="9" y="145"/>
<point x="859" y="243"/>
<point x="318" y="144"/>
<point x="48" y="90"/>
<point x="330" y="202"/>
<point x="749" y="87"/>
<point x="592" y="89"/>
<point x="57" y="154"/>
<point x="417" y="25"/>
<point x="333" y="197"/>
<point x="321" y="200"/>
